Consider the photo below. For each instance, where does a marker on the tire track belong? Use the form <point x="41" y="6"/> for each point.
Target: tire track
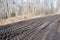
<point x="18" y="26"/>
<point x="36" y="31"/>
<point x="31" y="29"/>
<point x="33" y="26"/>
<point x="16" y="29"/>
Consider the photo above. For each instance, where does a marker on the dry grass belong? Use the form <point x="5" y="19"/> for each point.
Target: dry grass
<point x="20" y="18"/>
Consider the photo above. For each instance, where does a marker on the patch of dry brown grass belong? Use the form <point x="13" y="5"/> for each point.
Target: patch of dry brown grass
<point x="20" y="18"/>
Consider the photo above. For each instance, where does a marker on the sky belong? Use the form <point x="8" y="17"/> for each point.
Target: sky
<point x="54" y="2"/>
<point x="19" y="1"/>
<point x="49" y="1"/>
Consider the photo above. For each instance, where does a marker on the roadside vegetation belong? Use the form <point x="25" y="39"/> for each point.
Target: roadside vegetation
<point x="17" y="10"/>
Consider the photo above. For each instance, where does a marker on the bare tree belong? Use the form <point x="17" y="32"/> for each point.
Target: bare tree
<point x="58" y="5"/>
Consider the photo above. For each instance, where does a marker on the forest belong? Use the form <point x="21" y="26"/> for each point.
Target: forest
<point x="13" y="8"/>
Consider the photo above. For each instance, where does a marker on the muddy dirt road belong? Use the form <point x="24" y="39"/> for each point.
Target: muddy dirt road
<point x="44" y="28"/>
